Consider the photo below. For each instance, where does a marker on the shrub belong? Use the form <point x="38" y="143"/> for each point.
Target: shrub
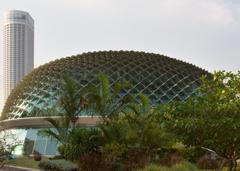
<point x="61" y="149"/>
<point x="37" y="157"/>
<point x="57" y="165"/>
<point x="205" y="162"/>
<point x="112" y="155"/>
<point x="91" y="162"/>
<point x="171" y="159"/>
<point x="192" y="154"/>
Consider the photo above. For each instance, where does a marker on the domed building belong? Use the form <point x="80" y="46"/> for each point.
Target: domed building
<point x="161" y="78"/>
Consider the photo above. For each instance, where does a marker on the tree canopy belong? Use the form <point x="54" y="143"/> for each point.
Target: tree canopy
<point x="210" y="118"/>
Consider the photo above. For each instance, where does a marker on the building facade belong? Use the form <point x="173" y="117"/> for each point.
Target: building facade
<point x="161" y="78"/>
<point x="18" y="33"/>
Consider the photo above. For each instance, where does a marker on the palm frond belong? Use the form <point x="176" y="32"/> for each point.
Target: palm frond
<point x="104" y="87"/>
<point x="144" y="101"/>
<point x="50" y="133"/>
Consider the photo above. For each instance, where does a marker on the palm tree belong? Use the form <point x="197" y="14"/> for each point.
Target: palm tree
<point x="144" y="130"/>
<point x="59" y="130"/>
<point x="102" y="100"/>
<point x="108" y="101"/>
<point x="71" y="103"/>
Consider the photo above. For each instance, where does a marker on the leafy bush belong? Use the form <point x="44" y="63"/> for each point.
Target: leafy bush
<point x="91" y="162"/>
<point x="205" y="162"/>
<point x="37" y="157"/>
<point x="61" y="149"/>
<point x="57" y="165"/>
<point x="113" y="155"/>
<point x="171" y="159"/>
<point x="192" y="154"/>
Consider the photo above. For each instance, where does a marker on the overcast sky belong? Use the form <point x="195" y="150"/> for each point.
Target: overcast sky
<point x="203" y="32"/>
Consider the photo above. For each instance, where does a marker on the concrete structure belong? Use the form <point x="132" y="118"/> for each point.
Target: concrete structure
<point x="18" y="30"/>
<point x="40" y="122"/>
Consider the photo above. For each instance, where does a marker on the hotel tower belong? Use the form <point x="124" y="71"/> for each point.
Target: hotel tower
<point x="18" y="30"/>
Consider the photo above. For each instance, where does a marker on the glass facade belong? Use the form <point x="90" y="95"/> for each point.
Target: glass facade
<point x="31" y="143"/>
<point x="161" y="78"/>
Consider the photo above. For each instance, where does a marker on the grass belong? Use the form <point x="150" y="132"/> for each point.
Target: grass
<point x="24" y="161"/>
<point x="183" y="166"/>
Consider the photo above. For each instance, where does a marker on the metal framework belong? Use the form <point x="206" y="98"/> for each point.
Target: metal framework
<point x="161" y="78"/>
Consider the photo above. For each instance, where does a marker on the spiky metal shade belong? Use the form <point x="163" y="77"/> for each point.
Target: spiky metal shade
<point x="161" y="78"/>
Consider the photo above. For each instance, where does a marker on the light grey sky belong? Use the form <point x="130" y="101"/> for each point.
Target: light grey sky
<point x="203" y="32"/>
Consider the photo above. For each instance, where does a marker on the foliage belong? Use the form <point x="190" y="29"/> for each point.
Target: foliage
<point x="72" y="101"/>
<point x="91" y="161"/>
<point x="8" y="142"/>
<point x="205" y="162"/>
<point x="211" y="118"/>
<point x="82" y="140"/>
<point x="37" y="157"/>
<point x="144" y="130"/>
<point x="171" y="158"/>
<point x="113" y="155"/>
<point x="60" y="130"/>
<point x="107" y="100"/>
<point x="133" y="137"/>
<point x="57" y="165"/>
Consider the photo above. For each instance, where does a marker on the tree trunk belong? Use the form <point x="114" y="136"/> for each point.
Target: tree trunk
<point x="223" y="162"/>
<point x="234" y="165"/>
<point x="230" y="165"/>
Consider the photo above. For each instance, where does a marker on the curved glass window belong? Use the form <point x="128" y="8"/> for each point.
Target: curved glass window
<point x="30" y="142"/>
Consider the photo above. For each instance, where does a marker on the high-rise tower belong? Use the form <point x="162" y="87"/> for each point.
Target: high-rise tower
<point x="18" y="47"/>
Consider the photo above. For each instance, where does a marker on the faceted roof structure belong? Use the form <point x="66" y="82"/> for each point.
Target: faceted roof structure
<point x="161" y="78"/>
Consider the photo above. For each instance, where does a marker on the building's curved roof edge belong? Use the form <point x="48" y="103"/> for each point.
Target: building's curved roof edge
<point x="41" y="122"/>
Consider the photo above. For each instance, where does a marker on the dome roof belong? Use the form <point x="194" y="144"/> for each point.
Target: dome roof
<point x="161" y="78"/>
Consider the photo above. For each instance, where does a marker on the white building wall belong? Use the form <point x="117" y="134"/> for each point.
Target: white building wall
<point x="18" y="30"/>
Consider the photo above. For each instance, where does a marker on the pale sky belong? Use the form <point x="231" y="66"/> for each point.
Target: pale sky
<point x="203" y="32"/>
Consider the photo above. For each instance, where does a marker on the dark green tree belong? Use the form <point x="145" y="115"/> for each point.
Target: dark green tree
<point x="211" y="118"/>
<point x="134" y="137"/>
<point x="144" y="131"/>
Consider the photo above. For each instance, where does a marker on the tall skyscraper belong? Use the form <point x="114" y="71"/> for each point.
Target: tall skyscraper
<point x="18" y="30"/>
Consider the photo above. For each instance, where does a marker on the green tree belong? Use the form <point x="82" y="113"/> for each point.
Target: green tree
<point x="211" y="118"/>
<point x="144" y="130"/>
<point x="134" y="137"/>
<point x="71" y="103"/>
<point x="108" y="100"/>
<point x="103" y="100"/>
